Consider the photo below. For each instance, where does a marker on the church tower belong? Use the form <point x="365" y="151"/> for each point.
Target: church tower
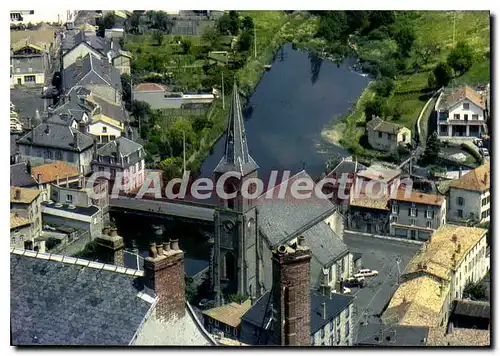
<point x="234" y="259"/>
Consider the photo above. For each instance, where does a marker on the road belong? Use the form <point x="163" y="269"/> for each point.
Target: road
<point x="380" y="255"/>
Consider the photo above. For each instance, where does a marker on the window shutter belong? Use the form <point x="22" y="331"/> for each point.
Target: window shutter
<point x="409" y="211"/>
<point x="432" y="215"/>
<point x="416" y="212"/>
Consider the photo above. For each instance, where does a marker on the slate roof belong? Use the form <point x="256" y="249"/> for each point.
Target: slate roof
<point x="57" y="135"/>
<point x="449" y="100"/>
<point x="478" y="179"/>
<point x="346" y="166"/>
<point x="110" y="110"/>
<point x="382" y="335"/>
<point x="73" y="107"/>
<point x="50" y="171"/>
<point x="58" y="303"/>
<point x="72" y="38"/>
<point x="27" y="195"/>
<point x="379" y="125"/>
<point x="92" y="71"/>
<point x="20" y="177"/>
<point x="472" y="308"/>
<point x="127" y="147"/>
<point x="379" y="172"/>
<point x="258" y="316"/>
<point x="13" y="144"/>
<point x="236" y="155"/>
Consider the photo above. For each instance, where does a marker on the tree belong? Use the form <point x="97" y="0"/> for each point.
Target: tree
<point x="210" y="36"/>
<point x="333" y="25"/>
<point x="432" y="149"/>
<point x="381" y="18"/>
<point x="157" y="36"/>
<point x="126" y="90"/>
<point x="172" y="168"/>
<point x="375" y="107"/>
<point x="384" y="87"/>
<point x="108" y="21"/>
<point x="245" y="41"/>
<point x="357" y="20"/>
<point x="405" y="37"/>
<point x="475" y="291"/>
<point x="140" y="109"/>
<point x="229" y="23"/>
<point x="247" y="23"/>
<point x="431" y="81"/>
<point x="186" y="45"/>
<point x="442" y="74"/>
<point x="426" y="50"/>
<point x="461" y="58"/>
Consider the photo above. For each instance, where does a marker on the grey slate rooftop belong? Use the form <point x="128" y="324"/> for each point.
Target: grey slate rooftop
<point x="91" y="71"/>
<point x="74" y="38"/>
<point x="110" y="110"/>
<point x="58" y="303"/>
<point x="19" y="176"/>
<point x="127" y="147"/>
<point x="471" y="308"/>
<point x="58" y="135"/>
<point x="395" y="335"/>
<point x="236" y="155"/>
<point x="258" y="315"/>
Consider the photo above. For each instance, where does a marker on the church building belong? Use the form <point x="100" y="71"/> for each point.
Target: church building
<point x="248" y="230"/>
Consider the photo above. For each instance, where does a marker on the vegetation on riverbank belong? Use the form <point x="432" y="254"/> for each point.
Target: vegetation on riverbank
<point x="402" y="52"/>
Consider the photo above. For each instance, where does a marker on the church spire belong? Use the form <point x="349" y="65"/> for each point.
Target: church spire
<point x="236" y="156"/>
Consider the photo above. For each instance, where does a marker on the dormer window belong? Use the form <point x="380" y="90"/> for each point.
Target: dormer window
<point x="466" y="106"/>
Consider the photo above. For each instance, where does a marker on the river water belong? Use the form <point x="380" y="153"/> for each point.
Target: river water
<point x="290" y="107"/>
<point x="284" y="118"/>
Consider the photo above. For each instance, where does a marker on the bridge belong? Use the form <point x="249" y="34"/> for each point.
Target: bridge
<point x="170" y="209"/>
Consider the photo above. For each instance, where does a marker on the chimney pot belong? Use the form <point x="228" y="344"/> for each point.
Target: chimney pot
<point x="166" y="246"/>
<point x="282" y="249"/>
<point x="324" y="310"/>
<point x="159" y="249"/>
<point x="17" y="195"/>
<point x="174" y="245"/>
<point x="105" y="231"/>
<point x="152" y="250"/>
<point x="302" y="240"/>
<point x="113" y="232"/>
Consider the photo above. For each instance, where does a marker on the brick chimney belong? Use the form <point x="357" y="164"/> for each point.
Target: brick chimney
<point x="111" y="247"/>
<point x="291" y="294"/>
<point x="164" y="272"/>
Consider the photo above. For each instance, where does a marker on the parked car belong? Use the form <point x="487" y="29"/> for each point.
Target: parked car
<point x="366" y="273"/>
<point x="354" y="282"/>
<point x="484" y="152"/>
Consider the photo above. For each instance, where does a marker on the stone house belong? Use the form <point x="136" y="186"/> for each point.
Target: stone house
<point x="157" y="312"/>
<point x="55" y="172"/>
<point x="469" y="196"/>
<point x="29" y="64"/>
<point x="121" y="156"/>
<point x="437" y="274"/>
<point x="461" y="113"/>
<point x="54" y="140"/>
<point x="25" y="202"/>
<point x="20" y="232"/>
<point x="417" y="215"/>
<point x="107" y="120"/>
<point x="387" y="136"/>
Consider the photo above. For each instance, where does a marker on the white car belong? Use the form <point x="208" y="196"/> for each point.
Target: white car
<point x="365" y="273"/>
<point x="484" y="152"/>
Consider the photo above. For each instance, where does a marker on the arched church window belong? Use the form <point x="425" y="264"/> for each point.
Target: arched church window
<point x="229" y="267"/>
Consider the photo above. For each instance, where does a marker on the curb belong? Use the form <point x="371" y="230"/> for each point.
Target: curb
<point x="384" y="237"/>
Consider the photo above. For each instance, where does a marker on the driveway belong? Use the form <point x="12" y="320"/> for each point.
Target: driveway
<point x="381" y="255"/>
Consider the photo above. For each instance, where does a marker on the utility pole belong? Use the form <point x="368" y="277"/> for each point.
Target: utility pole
<point x="223" y="106"/>
<point x="184" y="149"/>
<point x="255" y="41"/>
<point x="454" y="22"/>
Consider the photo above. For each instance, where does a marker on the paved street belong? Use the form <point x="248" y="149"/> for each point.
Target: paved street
<point x="380" y="255"/>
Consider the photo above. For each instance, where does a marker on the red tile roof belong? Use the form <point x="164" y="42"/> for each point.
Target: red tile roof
<point x="51" y="171"/>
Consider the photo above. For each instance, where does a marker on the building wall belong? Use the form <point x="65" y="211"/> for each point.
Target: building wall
<point x="368" y="220"/>
<point x="80" y="51"/>
<point x="41" y="155"/>
<point x="329" y="335"/>
<point x="96" y="129"/>
<point x="381" y="140"/>
<point x="19" y="235"/>
<point x="106" y="92"/>
<point x="94" y="227"/>
<point x="21" y="78"/>
<point x="59" y="194"/>
<point x="472" y="268"/>
<point x="134" y="174"/>
<point x="342" y="269"/>
<point x="213" y="326"/>
<point x="122" y="63"/>
<point x="459" y="110"/>
<point x="32" y="212"/>
<point x="42" y="15"/>
<point x="336" y="223"/>
<point x="471" y="204"/>
<point x="419" y="223"/>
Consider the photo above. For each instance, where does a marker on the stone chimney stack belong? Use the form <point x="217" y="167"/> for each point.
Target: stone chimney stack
<point x="291" y="294"/>
<point x="17" y="194"/>
<point x="164" y="272"/>
<point x="111" y="247"/>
